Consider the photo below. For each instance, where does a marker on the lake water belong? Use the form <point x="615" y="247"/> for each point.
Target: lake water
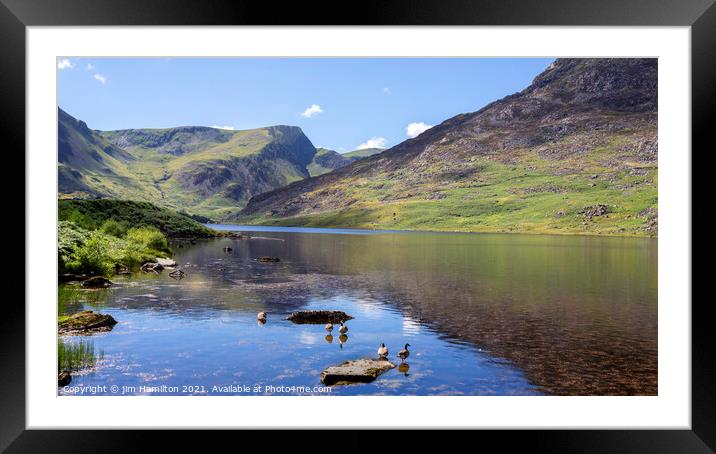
<point x="485" y="314"/>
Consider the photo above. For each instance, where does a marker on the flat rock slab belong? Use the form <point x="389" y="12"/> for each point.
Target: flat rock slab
<point x="86" y="322"/>
<point x="166" y="263"/>
<point x="356" y="371"/>
<point x="318" y="317"/>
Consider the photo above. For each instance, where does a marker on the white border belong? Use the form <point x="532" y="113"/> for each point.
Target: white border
<point x="671" y="409"/>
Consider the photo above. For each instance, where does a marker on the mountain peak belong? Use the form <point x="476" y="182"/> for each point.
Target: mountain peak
<point x="622" y="84"/>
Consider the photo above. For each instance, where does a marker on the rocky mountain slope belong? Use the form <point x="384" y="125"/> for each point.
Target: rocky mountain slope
<point x="205" y="171"/>
<point x="90" y="166"/>
<point x="575" y="152"/>
<point x="327" y="160"/>
<point x="212" y="171"/>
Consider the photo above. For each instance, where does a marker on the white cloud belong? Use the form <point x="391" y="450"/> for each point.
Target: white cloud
<point x="64" y="63"/>
<point x="315" y="109"/>
<point x="90" y="66"/>
<point x="373" y="142"/>
<point x="387" y="91"/>
<point x="229" y="128"/>
<point x="100" y="78"/>
<point x="415" y="129"/>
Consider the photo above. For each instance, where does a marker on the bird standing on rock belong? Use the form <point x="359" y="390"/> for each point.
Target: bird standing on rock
<point x="343" y="329"/>
<point x="383" y="351"/>
<point x="404" y="353"/>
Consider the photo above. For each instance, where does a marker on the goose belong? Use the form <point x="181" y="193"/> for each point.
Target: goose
<point x="343" y="329"/>
<point x="261" y="316"/>
<point x="329" y="327"/>
<point x="383" y="351"/>
<point x="404" y="353"/>
<point x="342" y="339"/>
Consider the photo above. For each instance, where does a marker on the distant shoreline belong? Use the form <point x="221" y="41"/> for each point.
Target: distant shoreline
<point x="365" y="231"/>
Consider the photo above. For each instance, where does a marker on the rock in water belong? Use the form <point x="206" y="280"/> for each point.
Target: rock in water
<point x="64" y="378"/>
<point x="97" y="282"/>
<point x="151" y="267"/>
<point x="318" y="317"/>
<point x="355" y="371"/>
<point x="64" y="278"/>
<point x="85" y="322"/>
<point x="266" y="259"/>
<point x="177" y="274"/>
<point x="166" y="263"/>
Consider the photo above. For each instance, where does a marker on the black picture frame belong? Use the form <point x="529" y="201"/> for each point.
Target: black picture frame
<point x="16" y="15"/>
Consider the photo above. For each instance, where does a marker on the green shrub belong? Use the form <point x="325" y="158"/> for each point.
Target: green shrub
<point x="92" y="256"/>
<point x="93" y="214"/>
<point x="115" y="228"/>
<point x="81" y="251"/>
<point x="148" y="237"/>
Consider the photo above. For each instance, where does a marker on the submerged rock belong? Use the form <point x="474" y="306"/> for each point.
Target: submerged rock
<point x="64" y="378"/>
<point x="96" y="282"/>
<point x="166" y="263"/>
<point x="318" y="317"/>
<point x="268" y="259"/>
<point x="86" y="321"/>
<point x="355" y="371"/>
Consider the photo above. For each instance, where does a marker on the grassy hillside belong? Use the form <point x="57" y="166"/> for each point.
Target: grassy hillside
<point x="576" y="152"/>
<point x="205" y="171"/>
<point x="90" y="166"/>
<point x="93" y="214"/>
<point x="362" y="153"/>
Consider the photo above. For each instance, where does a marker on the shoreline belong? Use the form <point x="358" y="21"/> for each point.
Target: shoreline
<point x="358" y="230"/>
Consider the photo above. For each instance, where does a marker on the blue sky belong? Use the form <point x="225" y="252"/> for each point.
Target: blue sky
<point x="340" y="103"/>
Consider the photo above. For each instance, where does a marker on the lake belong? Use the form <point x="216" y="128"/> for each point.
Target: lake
<point x="485" y="314"/>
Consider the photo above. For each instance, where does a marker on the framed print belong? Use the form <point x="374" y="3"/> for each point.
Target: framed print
<point x="445" y="216"/>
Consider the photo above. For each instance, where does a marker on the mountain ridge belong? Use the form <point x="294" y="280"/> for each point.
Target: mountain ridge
<point x="210" y="171"/>
<point x="206" y="170"/>
<point x="583" y="134"/>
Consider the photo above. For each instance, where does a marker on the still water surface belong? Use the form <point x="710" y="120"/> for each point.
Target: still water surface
<point x="485" y="314"/>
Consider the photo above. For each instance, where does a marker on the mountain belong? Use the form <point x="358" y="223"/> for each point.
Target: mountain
<point x="362" y="153"/>
<point x="205" y="171"/>
<point x="327" y="160"/>
<point x="90" y="166"/>
<point x="575" y="152"/>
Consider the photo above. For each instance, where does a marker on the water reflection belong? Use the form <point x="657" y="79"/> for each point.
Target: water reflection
<point x="492" y="314"/>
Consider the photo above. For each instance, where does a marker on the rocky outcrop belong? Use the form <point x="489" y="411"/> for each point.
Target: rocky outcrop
<point x="355" y="371"/>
